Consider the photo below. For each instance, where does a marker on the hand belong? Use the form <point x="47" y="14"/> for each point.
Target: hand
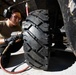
<point x="20" y="36"/>
<point x="12" y="38"/>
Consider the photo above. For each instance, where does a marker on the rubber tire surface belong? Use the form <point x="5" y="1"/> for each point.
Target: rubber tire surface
<point x="36" y="36"/>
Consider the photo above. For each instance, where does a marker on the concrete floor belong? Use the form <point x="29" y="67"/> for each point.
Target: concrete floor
<point x="61" y="63"/>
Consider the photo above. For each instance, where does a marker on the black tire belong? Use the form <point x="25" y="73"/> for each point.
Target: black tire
<point x="37" y="39"/>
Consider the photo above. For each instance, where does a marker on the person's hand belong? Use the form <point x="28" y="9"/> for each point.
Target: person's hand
<point x="11" y="39"/>
<point x="20" y="36"/>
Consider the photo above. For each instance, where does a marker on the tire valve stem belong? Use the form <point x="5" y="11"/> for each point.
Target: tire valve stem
<point x="26" y="6"/>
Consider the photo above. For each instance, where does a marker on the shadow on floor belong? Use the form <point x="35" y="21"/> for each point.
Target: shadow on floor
<point x="16" y="60"/>
<point x="61" y="60"/>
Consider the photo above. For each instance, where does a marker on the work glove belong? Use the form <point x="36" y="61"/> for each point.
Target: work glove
<point x="11" y="39"/>
<point x="20" y="36"/>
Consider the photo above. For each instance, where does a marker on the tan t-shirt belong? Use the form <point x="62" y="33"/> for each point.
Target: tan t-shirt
<point x="5" y="31"/>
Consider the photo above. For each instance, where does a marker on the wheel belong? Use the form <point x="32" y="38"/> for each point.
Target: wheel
<point x="37" y="39"/>
<point x="69" y="18"/>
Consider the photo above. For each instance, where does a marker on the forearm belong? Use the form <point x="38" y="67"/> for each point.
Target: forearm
<point x="14" y="38"/>
<point x="2" y="41"/>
